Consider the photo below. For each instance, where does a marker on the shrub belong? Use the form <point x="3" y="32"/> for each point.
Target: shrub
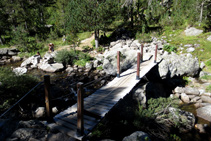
<point x="66" y="57"/>
<point x="13" y="87"/>
<point x="81" y="62"/>
<point x="169" y="48"/>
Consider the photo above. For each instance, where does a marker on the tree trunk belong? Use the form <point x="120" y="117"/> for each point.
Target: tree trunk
<point x="131" y="12"/>
<point x="1" y="40"/>
<point x="201" y="13"/>
<point x="96" y="38"/>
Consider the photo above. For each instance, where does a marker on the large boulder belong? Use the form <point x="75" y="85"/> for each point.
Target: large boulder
<point x="178" y="65"/>
<point x="192" y="31"/>
<point x="31" y="62"/>
<point x="204" y="112"/>
<point x="128" y="57"/>
<point x="55" y="67"/>
<point x="3" y="51"/>
<point x="137" y="136"/>
<point x="140" y="95"/>
<point x="20" y="70"/>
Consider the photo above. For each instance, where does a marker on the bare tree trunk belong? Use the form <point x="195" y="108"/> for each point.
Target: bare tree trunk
<point x="201" y="13"/>
<point x="96" y="38"/>
<point x="1" y="40"/>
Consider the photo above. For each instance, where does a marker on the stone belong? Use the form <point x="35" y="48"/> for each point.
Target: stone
<point x="179" y="90"/>
<point x="16" y="58"/>
<point x="191" y="96"/>
<point x="190" y="49"/>
<point x="20" y="70"/>
<point x="192" y="31"/>
<point x="55" y="67"/>
<point x="140" y="95"/>
<point x="188" y="45"/>
<point x="191" y="91"/>
<point x="32" y="61"/>
<point x="40" y="112"/>
<point x="196" y="99"/>
<point x="185" y="119"/>
<point x="55" y="110"/>
<point x="27" y="133"/>
<point x="3" y="51"/>
<point x="69" y="69"/>
<point x="137" y="136"/>
<point x="201" y="127"/>
<point x="12" y="53"/>
<point x="189" y="55"/>
<point x="178" y="65"/>
<point x="206" y="99"/>
<point x="58" y="137"/>
<point x="202" y="65"/>
<point x="177" y="95"/>
<point x="204" y="112"/>
<point x="209" y="38"/>
<point x="96" y="63"/>
<point x="89" y="65"/>
<point x="185" y="98"/>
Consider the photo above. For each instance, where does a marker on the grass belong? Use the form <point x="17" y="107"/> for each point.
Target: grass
<point x="84" y="35"/>
<point x="208" y="89"/>
<point x="177" y="38"/>
<point x="206" y="77"/>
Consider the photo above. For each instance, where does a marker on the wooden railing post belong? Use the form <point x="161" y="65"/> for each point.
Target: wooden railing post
<point x="118" y="64"/>
<point x="142" y="52"/>
<point x="47" y="96"/>
<point x="138" y="66"/>
<point x="156" y="50"/>
<point x="80" y="109"/>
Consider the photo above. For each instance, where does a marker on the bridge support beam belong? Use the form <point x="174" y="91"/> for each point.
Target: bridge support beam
<point x="142" y="52"/>
<point x="118" y="64"/>
<point x="47" y="96"/>
<point x="156" y="50"/>
<point x="138" y="66"/>
<point x="80" y="110"/>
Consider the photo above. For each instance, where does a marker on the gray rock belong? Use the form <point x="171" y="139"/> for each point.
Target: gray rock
<point x="69" y="69"/>
<point x="140" y="95"/>
<point x="204" y="112"/>
<point x="206" y="99"/>
<point x="89" y="65"/>
<point x="55" y="67"/>
<point x="96" y="63"/>
<point x="40" y="112"/>
<point x="196" y="99"/>
<point x="202" y="65"/>
<point x="191" y="91"/>
<point x="20" y="70"/>
<point x="190" y="49"/>
<point x="3" y="51"/>
<point x="209" y="38"/>
<point x="16" y="58"/>
<point x="179" y="90"/>
<point x="178" y="65"/>
<point x="192" y="31"/>
<point x="58" y="137"/>
<point x="31" y="124"/>
<point x="185" y="98"/>
<point x="32" y="61"/>
<point x="137" y="136"/>
<point x="27" y="133"/>
<point x="12" y="53"/>
<point x="188" y="45"/>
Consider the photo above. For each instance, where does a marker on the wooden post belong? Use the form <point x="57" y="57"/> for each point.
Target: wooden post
<point x="80" y="110"/>
<point x="156" y="50"/>
<point x="118" y="64"/>
<point x="138" y="66"/>
<point x="142" y="52"/>
<point x="47" y="96"/>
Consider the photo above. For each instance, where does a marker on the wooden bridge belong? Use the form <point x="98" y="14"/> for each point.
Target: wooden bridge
<point x="95" y="106"/>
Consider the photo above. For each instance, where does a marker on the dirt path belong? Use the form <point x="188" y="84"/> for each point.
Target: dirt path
<point x="85" y="42"/>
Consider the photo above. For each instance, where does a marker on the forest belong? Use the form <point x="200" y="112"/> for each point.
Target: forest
<point x="28" y="24"/>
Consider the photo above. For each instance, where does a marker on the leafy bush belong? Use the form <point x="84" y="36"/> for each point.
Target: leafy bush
<point x="13" y="87"/>
<point x="87" y="48"/>
<point x="73" y="57"/>
<point x="143" y="37"/>
<point x="156" y="108"/>
<point x="169" y="48"/>
<point x="66" y="57"/>
<point x="93" y="43"/>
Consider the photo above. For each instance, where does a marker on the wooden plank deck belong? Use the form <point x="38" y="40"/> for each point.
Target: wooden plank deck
<point x="100" y="102"/>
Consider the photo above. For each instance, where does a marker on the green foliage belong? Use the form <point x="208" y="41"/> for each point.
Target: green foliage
<point x="73" y="57"/>
<point x="156" y="108"/>
<point x="169" y="48"/>
<point x="93" y="43"/>
<point x="186" y="80"/>
<point x="208" y="88"/>
<point x="100" y="68"/>
<point x="66" y="57"/>
<point x="174" y="137"/>
<point x="87" y="48"/>
<point x="81" y="62"/>
<point x="84" y="35"/>
<point x="206" y="77"/>
<point x="13" y="87"/>
<point x="143" y="37"/>
<point x="100" y="49"/>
